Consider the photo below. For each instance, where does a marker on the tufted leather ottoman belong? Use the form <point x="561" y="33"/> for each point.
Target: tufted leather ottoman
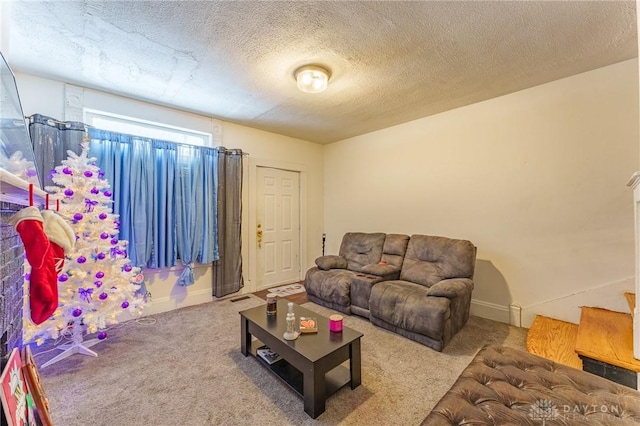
<point x="505" y="386"/>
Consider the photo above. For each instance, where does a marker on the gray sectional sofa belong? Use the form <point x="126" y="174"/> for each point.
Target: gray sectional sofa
<point x="419" y="287"/>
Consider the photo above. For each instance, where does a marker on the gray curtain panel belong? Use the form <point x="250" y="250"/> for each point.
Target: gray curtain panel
<point x="51" y="140"/>
<point x="227" y="271"/>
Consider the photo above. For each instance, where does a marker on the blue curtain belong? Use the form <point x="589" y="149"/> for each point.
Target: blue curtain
<point x="141" y="172"/>
<point x="164" y="222"/>
<point x="164" y="193"/>
<point x="195" y="189"/>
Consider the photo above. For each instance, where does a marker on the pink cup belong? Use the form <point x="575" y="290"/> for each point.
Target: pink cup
<point x="335" y="323"/>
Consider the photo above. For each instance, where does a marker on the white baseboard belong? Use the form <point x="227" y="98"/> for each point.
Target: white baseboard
<point x="165" y="304"/>
<point x="566" y="308"/>
<point x="490" y="311"/>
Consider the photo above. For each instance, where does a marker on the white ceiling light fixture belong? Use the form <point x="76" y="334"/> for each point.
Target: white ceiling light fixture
<point x="312" y="78"/>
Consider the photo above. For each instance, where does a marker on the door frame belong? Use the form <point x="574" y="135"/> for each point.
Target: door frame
<point x="249" y="234"/>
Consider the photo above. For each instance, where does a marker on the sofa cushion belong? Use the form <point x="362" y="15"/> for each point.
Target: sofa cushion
<point x="430" y="259"/>
<point x="455" y="287"/>
<point x="380" y="270"/>
<point x="360" y="249"/>
<point x="394" y="249"/>
<point x="331" y="262"/>
<point x="332" y="286"/>
<point x="407" y="305"/>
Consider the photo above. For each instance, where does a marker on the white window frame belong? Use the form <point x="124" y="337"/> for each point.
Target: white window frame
<point x="146" y="128"/>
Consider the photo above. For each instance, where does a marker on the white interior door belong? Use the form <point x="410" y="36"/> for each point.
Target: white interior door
<point x="278" y="227"/>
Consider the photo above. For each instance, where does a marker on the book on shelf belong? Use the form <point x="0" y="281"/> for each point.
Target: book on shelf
<point x="267" y="354"/>
<point x="308" y="325"/>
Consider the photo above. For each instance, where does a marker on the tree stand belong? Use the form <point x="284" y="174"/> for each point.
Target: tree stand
<point x="77" y="347"/>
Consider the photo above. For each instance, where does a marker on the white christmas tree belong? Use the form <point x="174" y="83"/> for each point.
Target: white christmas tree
<point x="97" y="284"/>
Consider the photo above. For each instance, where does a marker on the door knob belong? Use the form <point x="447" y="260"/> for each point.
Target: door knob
<point x="259" y="235"/>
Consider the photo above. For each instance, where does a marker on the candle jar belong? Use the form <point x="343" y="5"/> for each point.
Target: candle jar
<point x="335" y="323"/>
<point x="272" y="304"/>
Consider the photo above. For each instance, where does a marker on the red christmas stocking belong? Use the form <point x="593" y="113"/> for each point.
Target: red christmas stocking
<point x="43" y="284"/>
<point x="60" y="235"/>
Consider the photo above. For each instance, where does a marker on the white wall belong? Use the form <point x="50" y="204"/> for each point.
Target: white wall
<point x="5" y="13"/>
<point x="535" y="179"/>
<point x="55" y="99"/>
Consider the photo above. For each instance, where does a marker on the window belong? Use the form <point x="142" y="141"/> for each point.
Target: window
<point x="148" y="129"/>
<point x="164" y="186"/>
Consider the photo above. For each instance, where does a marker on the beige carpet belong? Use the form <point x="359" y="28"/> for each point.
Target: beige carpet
<point x="186" y="369"/>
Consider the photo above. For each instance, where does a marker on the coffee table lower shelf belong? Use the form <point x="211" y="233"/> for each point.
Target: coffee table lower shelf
<point x="334" y="379"/>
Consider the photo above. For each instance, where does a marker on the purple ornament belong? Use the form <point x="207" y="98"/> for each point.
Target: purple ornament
<point x="114" y="241"/>
<point x="88" y="173"/>
<point x="82" y="259"/>
<point x="68" y="192"/>
<point x="100" y="174"/>
<point x="102" y="335"/>
<point x="62" y="278"/>
<point x="95" y="190"/>
<point x="27" y="277"/>
<point x="76" y="312"/>
<point x="97" y="283"/>
<point x="103" y="296"/>
<point x="125" y="305"/>
<point x="102" y="216"/>
<point x="67" y="171"/>
<point x="107" y="193"/>
<point x="78" y="216"/>
<point x="104" y="236"/>
<point x="101" y="255"/>
<point x="99" y="274"/>
<point x="127" y="268"/>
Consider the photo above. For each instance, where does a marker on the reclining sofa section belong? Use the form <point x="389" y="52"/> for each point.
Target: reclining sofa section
<point x="430" y="302"/>
<point x="344" y="282"/>
<point x="419" y="287"/>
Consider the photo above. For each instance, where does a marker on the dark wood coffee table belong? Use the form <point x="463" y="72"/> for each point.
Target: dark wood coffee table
<point x="311" y="363"/>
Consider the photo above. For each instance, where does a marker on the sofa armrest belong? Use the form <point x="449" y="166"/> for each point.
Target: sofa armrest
<point x="380" y="269"/>
<point x="331" y="262"/>
<point x="451" y="288"/>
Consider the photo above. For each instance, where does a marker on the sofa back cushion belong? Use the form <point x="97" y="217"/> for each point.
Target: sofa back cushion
<point x="432" y="259"/>
<point x="394" y="249"/>
<point x="360" y="249"/>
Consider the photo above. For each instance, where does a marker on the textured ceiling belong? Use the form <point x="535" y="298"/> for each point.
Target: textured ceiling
<point x="391" y="62"/>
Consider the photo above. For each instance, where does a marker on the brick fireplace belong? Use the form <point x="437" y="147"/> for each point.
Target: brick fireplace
<point x="11" y="293"/>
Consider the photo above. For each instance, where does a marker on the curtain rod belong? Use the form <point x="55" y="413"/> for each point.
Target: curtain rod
<point x="87" y="126"/>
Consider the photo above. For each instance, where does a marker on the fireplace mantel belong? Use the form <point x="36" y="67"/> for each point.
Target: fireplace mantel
<point x="14" y="189"/>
